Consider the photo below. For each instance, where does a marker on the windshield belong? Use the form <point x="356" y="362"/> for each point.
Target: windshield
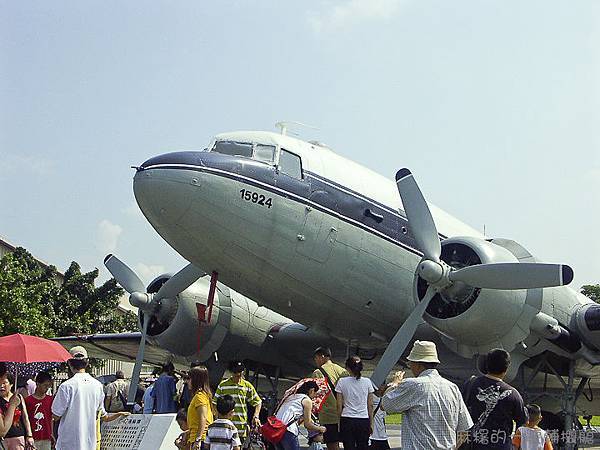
<point x="259" y="152"/>
<point x="233" y="148"/>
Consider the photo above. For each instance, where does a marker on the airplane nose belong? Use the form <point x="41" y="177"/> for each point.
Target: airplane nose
<point x="163" y="188"/>
<point x="160" y="197"/>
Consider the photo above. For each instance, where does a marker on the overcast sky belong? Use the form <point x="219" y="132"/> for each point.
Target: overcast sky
<point x="494" y="105"/>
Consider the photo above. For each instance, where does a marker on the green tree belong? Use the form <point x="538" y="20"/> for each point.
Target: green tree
<point x="33" y="302"/>
<point x="26" y="290"/>
<point x="592" y="291"/>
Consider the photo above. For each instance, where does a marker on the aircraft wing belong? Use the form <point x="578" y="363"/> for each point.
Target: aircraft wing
<point x="122" y="347"/>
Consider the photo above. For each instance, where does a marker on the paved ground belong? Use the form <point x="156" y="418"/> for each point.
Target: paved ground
<point x="394" y="440"/>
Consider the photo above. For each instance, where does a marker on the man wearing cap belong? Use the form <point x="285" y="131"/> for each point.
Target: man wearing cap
<point x="434" y="411"/>
<point x="328" y="416"/>
<point x="76" y="404"/>
<point x="243" y="393"/>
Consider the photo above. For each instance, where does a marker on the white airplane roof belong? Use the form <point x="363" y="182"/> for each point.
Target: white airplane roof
<point x="325" y="162"/>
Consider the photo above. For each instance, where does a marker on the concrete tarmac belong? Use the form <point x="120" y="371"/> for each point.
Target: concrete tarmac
<point x="395" y="441"/>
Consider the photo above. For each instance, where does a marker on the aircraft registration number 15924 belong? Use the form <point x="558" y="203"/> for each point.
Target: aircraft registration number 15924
<point x="255" y="197"/>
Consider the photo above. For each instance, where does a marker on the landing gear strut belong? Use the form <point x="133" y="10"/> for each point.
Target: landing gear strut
<point x="270" y="399"/>
<point x="568" y="398"/>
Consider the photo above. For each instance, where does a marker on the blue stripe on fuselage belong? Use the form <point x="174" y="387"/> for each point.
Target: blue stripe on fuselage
<point x="315" y="190"/>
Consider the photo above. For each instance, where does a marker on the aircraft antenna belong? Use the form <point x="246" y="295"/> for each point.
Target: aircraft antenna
<point x="284" y="124"/>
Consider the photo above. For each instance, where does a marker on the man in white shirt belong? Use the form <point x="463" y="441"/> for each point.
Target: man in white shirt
<point x="76" y="404"/>
<point x="433" y="407"/>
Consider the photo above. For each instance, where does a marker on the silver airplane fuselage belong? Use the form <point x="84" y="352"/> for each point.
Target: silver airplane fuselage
<point x="325" y="243"/>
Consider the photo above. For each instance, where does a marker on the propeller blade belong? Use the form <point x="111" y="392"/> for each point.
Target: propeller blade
<point x="179" y="282"/>
<point x="139" y="359"/>
<point x="123" y="274"/>
<point x="420" y="220"/>
<point x="514" y="275"/>
<point x="400" y="341"/>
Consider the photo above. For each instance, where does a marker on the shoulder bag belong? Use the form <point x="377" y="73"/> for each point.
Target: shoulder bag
<point x="274" y="429"/>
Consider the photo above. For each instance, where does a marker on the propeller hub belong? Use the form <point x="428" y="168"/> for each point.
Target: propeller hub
<point x="431" y="271"/>
<point x="140" y="300"/>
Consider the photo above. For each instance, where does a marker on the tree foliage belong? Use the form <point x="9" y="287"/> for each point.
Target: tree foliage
<point x="591" y="291"/>
<point x="33" y="302"/>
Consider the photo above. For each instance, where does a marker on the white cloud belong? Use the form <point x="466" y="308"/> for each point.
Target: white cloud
<point x="108" y="236"/>
<point x="149" y="272"/>
<point x="346" y="14"/>
<point x="22" y="164"/>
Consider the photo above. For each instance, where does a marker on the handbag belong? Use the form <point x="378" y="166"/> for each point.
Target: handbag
<point x="274" y="429"/>
<point x="254" y="441"/>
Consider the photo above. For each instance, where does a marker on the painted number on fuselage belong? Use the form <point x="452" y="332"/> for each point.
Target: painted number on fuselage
<point x="257" y="198"/>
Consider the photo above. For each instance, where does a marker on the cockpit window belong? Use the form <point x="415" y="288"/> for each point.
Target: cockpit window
<point x="259" y="152"/>
<point x="290" y="164"/>
<point x="265" y="153"/>
<point x="233" y="148"/>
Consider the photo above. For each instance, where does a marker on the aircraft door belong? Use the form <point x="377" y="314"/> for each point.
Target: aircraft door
<point x="319" y="231"/>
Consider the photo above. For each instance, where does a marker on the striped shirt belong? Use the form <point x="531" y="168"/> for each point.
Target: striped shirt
<point x="222" y="435"/>
<point x="243" y="393"/>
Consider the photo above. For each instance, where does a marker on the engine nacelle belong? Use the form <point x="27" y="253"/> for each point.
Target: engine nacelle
<point x="180" y="325"/>
<point x="481" y="319"/>
<point x="586" y="321"/>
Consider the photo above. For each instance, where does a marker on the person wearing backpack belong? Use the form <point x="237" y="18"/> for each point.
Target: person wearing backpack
<point x="115" y="392"/>
<point x="296" y="409"/>
<point x="329" y="416"/>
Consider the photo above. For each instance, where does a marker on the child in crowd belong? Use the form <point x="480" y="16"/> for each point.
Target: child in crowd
<point x="530" y="436"/>
<point x="315" y="440"/>
<point x="182" y="439"/>
<point x="379" y="437"/>
<point x="39" y="409"/>
<point x="103" y="416"/>
<point x="222" y="433"/>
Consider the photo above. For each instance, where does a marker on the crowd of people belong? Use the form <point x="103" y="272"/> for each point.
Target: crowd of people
<point x="487" y="413"/>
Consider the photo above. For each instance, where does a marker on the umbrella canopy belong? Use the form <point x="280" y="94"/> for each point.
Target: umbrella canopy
<point x="21" y="348"/>
<point x="322" y="394"/>
<point x="30" y="370"/>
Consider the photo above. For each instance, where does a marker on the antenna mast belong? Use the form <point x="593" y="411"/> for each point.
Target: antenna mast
<point x="283" y="126"/>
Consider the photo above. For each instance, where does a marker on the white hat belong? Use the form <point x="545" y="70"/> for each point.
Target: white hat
<point x="423" y="351"/>
<point x="78" y="352"/>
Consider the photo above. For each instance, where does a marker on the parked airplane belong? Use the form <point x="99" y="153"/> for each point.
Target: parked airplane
<point x="208" y="322"/>
<point x="331" y="244"/>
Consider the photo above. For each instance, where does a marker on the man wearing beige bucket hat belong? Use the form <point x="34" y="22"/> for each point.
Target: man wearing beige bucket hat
<point x="433" y="408"/>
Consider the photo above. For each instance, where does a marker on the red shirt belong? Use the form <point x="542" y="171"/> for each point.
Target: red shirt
<point x="40" y="417"/>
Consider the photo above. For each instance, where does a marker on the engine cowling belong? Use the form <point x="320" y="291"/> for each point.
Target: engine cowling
<point x="235" y="327"/>
<point x="180" y="324"/>
<point x="481" y="319"/>
<point x="586" y="321"/>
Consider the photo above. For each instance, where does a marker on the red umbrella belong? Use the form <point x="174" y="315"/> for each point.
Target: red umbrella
<point x="322" y="394"/>
<point x="24" y="349"/>
<point x="21" y="348"/>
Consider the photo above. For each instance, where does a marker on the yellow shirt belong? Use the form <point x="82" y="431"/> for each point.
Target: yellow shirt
<point x="328" y="414"/>
<point x="193" y="419"/>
